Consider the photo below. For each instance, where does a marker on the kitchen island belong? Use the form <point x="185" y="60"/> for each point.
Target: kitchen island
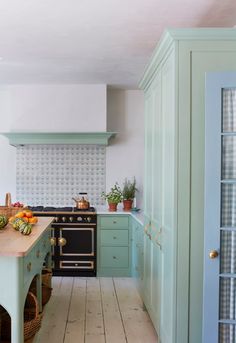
<point x="21" y="259"/>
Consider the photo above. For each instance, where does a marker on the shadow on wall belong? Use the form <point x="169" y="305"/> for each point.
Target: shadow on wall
<point x="125" y="154"/>
<point x="220" y="14"/>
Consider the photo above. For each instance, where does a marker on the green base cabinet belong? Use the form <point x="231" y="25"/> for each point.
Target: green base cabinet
<point x="114" y="251"/>
<point x="137" y="253"/>
<point x="174" y="87"/>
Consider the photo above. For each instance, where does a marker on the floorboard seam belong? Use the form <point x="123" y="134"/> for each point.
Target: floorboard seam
<point x="105" y="337"/>
<point x="122" y="321"/>
<point x="85" y="316"/>
<point x="68" y="311"/>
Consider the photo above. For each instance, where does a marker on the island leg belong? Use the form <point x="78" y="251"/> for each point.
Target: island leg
<point x="17" y="323"/>
<point x="39" y="291"/>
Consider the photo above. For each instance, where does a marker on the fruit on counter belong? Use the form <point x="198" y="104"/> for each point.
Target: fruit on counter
<point x="25" y="228"/>
<point x="16" y="222"/>
<point x="17" y="204"/>
<point x="23" y="217"/>
<point x="3" y="221"/>
<point x="27" y="216"/>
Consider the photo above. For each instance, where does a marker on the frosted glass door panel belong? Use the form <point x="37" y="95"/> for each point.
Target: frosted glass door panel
<point x="227" y="299"/>
<point x="229" y="110"/>
<point x="228" y="205"/>
<point x="227" y="333"/>
<point x="228" y="252"/>
<point x="229" y="157"/>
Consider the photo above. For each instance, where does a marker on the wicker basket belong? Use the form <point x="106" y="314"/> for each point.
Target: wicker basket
<point x="14" y="210"/>
<point x="6" y="211"/>
<point x="32" y="319"/>
<point x="46" y="285"/>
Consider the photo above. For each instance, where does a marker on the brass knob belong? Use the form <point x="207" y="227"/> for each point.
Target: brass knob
<point x="62" y="241"/>
<point x="213" y="254"/>
<point x="53" y="241"/>
<point x="114" y="257"/>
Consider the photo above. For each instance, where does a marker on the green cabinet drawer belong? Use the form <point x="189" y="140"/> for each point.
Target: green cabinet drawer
<point x="114" y="222"/>
<point x="114" y="237"/>
<point x="114" y="257"/>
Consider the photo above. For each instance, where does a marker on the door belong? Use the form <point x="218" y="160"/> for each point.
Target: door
<point x="219" y="309"/>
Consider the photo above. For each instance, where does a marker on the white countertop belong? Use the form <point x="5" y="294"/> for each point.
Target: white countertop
<point x="137" y="215"/>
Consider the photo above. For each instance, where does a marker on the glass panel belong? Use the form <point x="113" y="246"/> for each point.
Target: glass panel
<point x="228" y="252"/>
<point x="228" y="298"/>
<point x="229" y="157"/>
<point x="229" y="110"/>
<point x="228" y="205"/>
<point x="227" y="333"/>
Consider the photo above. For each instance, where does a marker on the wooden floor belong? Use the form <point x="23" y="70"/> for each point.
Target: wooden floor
<point x="95" y="310"/>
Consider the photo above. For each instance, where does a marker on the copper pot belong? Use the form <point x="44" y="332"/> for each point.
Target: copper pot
<point x="82" y="203"/>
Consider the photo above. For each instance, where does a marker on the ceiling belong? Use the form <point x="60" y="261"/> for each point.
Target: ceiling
<point x="91" y="41"/>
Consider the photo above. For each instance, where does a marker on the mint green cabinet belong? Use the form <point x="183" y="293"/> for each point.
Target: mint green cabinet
<point x="114" y="250"/>
<point x="174" y="86"/>
<point x="137" y="253"/>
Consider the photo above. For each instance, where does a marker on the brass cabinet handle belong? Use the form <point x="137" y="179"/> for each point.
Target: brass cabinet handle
<point x="29" y="266"/>
<point x="53" y="241"/>
<point x="62" y="242"/>
<point x="38" y="253"/>
<point x="114" y="257"/>
<point x="213" y="254"/>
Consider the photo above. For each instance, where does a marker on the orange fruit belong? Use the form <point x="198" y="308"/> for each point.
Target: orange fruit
<point x="33" y="220"/>
<point x="19" y="214"/>
<point x="11" y="219"/>
<point x="28" y="213"/>
<point x="26" y="219"/>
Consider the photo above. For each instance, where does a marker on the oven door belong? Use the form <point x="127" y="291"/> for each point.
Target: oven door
<point x="74" y="241"/>
<point x="74" y="249"/>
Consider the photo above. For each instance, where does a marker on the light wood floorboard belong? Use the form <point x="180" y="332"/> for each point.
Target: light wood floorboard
<point x="95" y="310"/>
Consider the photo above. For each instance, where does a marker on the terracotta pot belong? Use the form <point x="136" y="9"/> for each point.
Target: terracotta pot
<point x="127" y="205"/>
<point x="112" y="207"/>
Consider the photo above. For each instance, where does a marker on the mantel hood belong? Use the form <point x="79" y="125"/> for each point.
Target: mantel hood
<point x="23" y="138"/>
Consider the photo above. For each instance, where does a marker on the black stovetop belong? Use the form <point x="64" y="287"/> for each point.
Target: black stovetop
<point x="59" y="209"/>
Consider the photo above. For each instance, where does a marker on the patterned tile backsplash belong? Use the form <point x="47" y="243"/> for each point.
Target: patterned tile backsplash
<point x="50" y="175"/>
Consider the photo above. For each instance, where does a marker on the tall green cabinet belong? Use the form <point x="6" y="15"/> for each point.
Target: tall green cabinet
<point x="174" y="86"/>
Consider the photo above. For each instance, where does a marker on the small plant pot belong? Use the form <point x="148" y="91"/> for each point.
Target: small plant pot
<point x="112" y="207"/>
<point x="127" y="205"/>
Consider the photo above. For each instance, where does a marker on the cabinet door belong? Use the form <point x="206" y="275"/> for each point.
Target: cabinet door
<point x="168" y="229"/>
<point x="220" y="210"/>
<point x="148" y="154"/>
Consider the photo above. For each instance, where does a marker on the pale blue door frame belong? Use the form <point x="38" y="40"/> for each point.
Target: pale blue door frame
<point x="219" y="319"/>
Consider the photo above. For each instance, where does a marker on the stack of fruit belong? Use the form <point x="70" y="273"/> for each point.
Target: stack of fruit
<point x="23" y="221"/>
<point x="3" y="221"/>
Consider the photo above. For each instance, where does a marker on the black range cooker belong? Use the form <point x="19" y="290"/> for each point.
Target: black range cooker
<point x="73" y="239"/>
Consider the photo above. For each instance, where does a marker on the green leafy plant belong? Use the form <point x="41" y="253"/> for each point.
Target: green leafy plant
<point x="114" y="196"/>
<point x="129" y="189"/>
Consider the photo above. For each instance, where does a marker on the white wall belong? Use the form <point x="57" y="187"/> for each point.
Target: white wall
<point x="125" y="156"/>
<point x="58" y="108"/>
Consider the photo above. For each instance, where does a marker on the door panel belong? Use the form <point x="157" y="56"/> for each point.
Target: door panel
<point x="219" y="310"/>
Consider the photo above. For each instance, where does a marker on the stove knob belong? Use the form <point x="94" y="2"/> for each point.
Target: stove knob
<point x="63" y="219"/>
<point x="71" y="219"/>
<point x="79" y="219"/>
<point x="89" y="219"/>
<point x="56" y="219"/>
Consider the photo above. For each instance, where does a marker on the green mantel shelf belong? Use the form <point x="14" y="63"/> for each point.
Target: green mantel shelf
<point x="23" y="138"/>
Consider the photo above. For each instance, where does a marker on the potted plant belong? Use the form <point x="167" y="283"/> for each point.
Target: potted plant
<point x="128" y="193"/>
<point x="114" y="197"/>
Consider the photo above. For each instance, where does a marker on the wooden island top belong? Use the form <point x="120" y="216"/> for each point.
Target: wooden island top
<point x="13" y="243"/>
